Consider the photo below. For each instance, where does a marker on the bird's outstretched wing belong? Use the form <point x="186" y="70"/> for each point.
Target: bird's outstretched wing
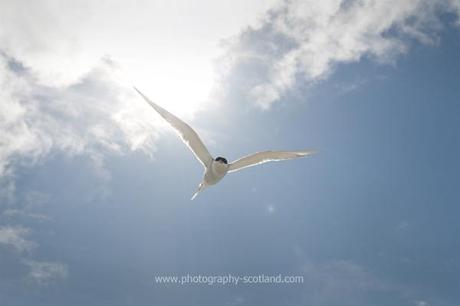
<point x="263" y="157"/>
<point x="186" y="133"/>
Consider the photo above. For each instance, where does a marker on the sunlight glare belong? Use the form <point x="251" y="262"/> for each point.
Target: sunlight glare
<point x="181" y="87"/>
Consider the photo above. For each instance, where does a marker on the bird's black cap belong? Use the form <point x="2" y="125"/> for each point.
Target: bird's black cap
<point x="219" y="158"/>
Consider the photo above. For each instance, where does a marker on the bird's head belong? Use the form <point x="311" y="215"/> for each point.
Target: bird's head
<point x="221" y="160"/>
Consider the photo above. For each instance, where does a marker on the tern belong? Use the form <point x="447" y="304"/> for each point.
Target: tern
<point x="217" y="168"/>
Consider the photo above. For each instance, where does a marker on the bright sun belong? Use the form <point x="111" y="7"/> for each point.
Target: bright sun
<point x="181" y="87"/>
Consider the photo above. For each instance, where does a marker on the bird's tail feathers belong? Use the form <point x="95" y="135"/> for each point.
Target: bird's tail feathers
<point x="200" y="188"/>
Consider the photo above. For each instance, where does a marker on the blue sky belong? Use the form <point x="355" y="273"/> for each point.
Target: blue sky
<point x="95" y="189"/>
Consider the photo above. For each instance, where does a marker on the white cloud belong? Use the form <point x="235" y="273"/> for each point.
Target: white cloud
<point x="15" y="238"/>
<point x="306" y="39"/>
<point x="95" y="114"/>
<point x="44" y="273"/>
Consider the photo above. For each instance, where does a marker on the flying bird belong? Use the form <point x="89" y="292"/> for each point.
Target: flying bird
<point x="217" y="168"/>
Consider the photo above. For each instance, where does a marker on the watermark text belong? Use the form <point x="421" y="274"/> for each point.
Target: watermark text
<point x="228" y="279"/>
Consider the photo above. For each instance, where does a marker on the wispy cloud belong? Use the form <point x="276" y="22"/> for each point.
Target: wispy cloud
<point x="305" y="40"/>
<point x="15" y="238"/>
<point x="341" y="282"/>
<point x="44" y="273"/>
<point x="28" y="208"/>
<point x="18" y="240"/>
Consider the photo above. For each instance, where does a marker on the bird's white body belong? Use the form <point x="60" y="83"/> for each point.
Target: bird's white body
<point x="216" y="169"/>
<point x="215" y="172"/>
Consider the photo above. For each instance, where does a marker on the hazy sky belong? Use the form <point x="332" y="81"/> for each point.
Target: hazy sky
<point x="95" y="188"/>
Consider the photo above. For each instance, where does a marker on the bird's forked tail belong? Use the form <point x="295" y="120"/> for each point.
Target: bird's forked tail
<point x="200" y="188"/>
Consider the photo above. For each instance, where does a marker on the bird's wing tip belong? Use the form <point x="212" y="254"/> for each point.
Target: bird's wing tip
<point x="308" y="152"/>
